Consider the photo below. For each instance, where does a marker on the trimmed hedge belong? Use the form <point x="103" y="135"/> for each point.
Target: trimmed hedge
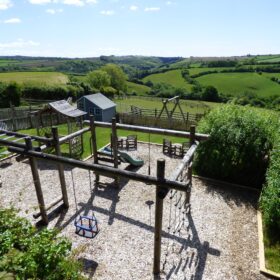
<point x="239" y="144"/>
<point x="244" y="148"/>
<point x="270" y="198"/>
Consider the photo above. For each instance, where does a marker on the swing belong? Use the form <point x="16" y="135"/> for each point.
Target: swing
<point x="86" y="225"/>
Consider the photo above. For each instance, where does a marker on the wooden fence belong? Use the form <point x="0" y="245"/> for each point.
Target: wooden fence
<point x="177" y="124"/>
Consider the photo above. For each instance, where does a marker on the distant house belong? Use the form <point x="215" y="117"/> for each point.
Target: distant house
<point x="98" y="105"/>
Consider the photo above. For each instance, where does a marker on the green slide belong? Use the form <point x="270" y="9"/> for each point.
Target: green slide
<point x="125" y="157"/>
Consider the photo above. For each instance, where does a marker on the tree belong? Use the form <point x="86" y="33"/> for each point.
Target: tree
<point x="98" y="79"/>
<point x="210" y="94"/>
<point x="118" y="77"/>
<point x="10" y="94"/>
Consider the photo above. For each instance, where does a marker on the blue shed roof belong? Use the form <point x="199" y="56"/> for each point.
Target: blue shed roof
<point x="100" y="101"/>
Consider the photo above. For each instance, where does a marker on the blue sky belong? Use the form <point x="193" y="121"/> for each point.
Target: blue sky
<point x="86" y="28"/>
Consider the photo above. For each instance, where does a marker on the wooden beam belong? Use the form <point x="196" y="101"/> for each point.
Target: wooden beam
<point x="94" y="143"/>
<point x="192" y="134"/>
<point x="115" y="147"/>
<point x="73" y="135"/>
<point x="158" y="216"/>
<point x="51" y="205"/>
<point x="166" y="132"/>
<point x="37" y="183"/>
<point x="172" y="98"/>
<point x="60" y="167"/>
<point x="17" y="134"/>
<point x="184" y="163"/>
<point x="101" y="169"/>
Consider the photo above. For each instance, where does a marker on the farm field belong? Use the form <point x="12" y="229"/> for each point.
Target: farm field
<point x="194" y="71"/>
<point x="139" y="89"/>
<point x="240" y="83"/>
<point x="191" y="106"/>
<point x="173" y="78"/>
<point x="268" y="58"/>
<point x="34" y="77"/>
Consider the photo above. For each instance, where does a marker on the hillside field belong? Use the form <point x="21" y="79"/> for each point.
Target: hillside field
<point x="48" y="78"/>
<point x="172" y="77"/>
<point x="241" y="83"/>
<point x="191" y="106"/>
<point x="139" y="89"/>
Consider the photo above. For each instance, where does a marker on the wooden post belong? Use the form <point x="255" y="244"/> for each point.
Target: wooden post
<point x="158" y="217"/>
<point x="189" y="170"/>
<point x="94" y="143"/>
<point x="37" y="183"/>
<point x="192" y="135"/>
<point x="115" y="147"/>
<point x="60" y="167"/>
<point x="13" y="115"/>
<point x="188" y="192"/>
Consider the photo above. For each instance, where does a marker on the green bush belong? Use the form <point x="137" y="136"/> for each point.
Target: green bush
<point x="28" y="254"/>
<point x="270" y="198"/>
<point x="10" y="94"/>
<point x="239" y="144"/>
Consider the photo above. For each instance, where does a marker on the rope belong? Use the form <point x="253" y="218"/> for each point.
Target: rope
<point x="73" y="185"/>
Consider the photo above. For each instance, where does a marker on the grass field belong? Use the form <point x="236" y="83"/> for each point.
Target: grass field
<point x="103" y="136"/>
<point x="139" y="89"/>
<point x="240" y="83"/>
<point x="268" y="58"/>
<point x="34" y="77"/>
<point x="173" y="78"/>
<point x="191" y="106"/>
<point x="194" y="71"/>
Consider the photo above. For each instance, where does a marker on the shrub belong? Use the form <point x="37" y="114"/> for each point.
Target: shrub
<point x="239" y="144"/>
<point x="28" y="254"/>
<point x="270" y="198"/>
<point x="10" y="93"/>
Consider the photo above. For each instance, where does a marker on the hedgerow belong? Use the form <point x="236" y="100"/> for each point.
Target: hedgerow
<point x="244" y="147"/>
<point x="239" y="144"/>
<point x="29" y="254"/>
<point x="270" y="198"/>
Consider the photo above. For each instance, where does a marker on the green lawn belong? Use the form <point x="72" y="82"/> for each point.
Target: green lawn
<point x="191" y="106"/>
<point x="173" y="78"/>
<point x="240" y="83"/>
<point x="103" y="138"/>
<point x="139" y="89"/>
<point x="272" y="250"/>
<point x="34" y="77"/>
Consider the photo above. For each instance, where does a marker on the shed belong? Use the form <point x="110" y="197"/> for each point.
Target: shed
<point x="98" y="105"/>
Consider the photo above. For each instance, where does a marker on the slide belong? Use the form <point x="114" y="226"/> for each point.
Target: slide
<point x="125" y="157"/>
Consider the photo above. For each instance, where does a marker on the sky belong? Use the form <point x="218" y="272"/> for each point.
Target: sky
<point x="90" y="28"/>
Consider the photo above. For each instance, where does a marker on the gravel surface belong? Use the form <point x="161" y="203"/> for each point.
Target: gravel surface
<point x="216" y="240"/>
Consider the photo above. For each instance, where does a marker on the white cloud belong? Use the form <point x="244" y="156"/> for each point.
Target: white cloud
<point x="18" y="44"/>
<point x="74" y="2"/>
<point x="107" y="13"/>
<point x="5" y="4"/>
<point x="39" y="2"/>
<point x="152" y="9"/>
<point x="92" y="1"/>
<point x="168" y="3"/>
<point x="13" y="20"/>
<point x="53" y="11"/>
<point x="133" y="8"/>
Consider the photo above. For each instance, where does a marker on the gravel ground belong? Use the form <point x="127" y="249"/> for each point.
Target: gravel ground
<point x="217" y="240"/>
